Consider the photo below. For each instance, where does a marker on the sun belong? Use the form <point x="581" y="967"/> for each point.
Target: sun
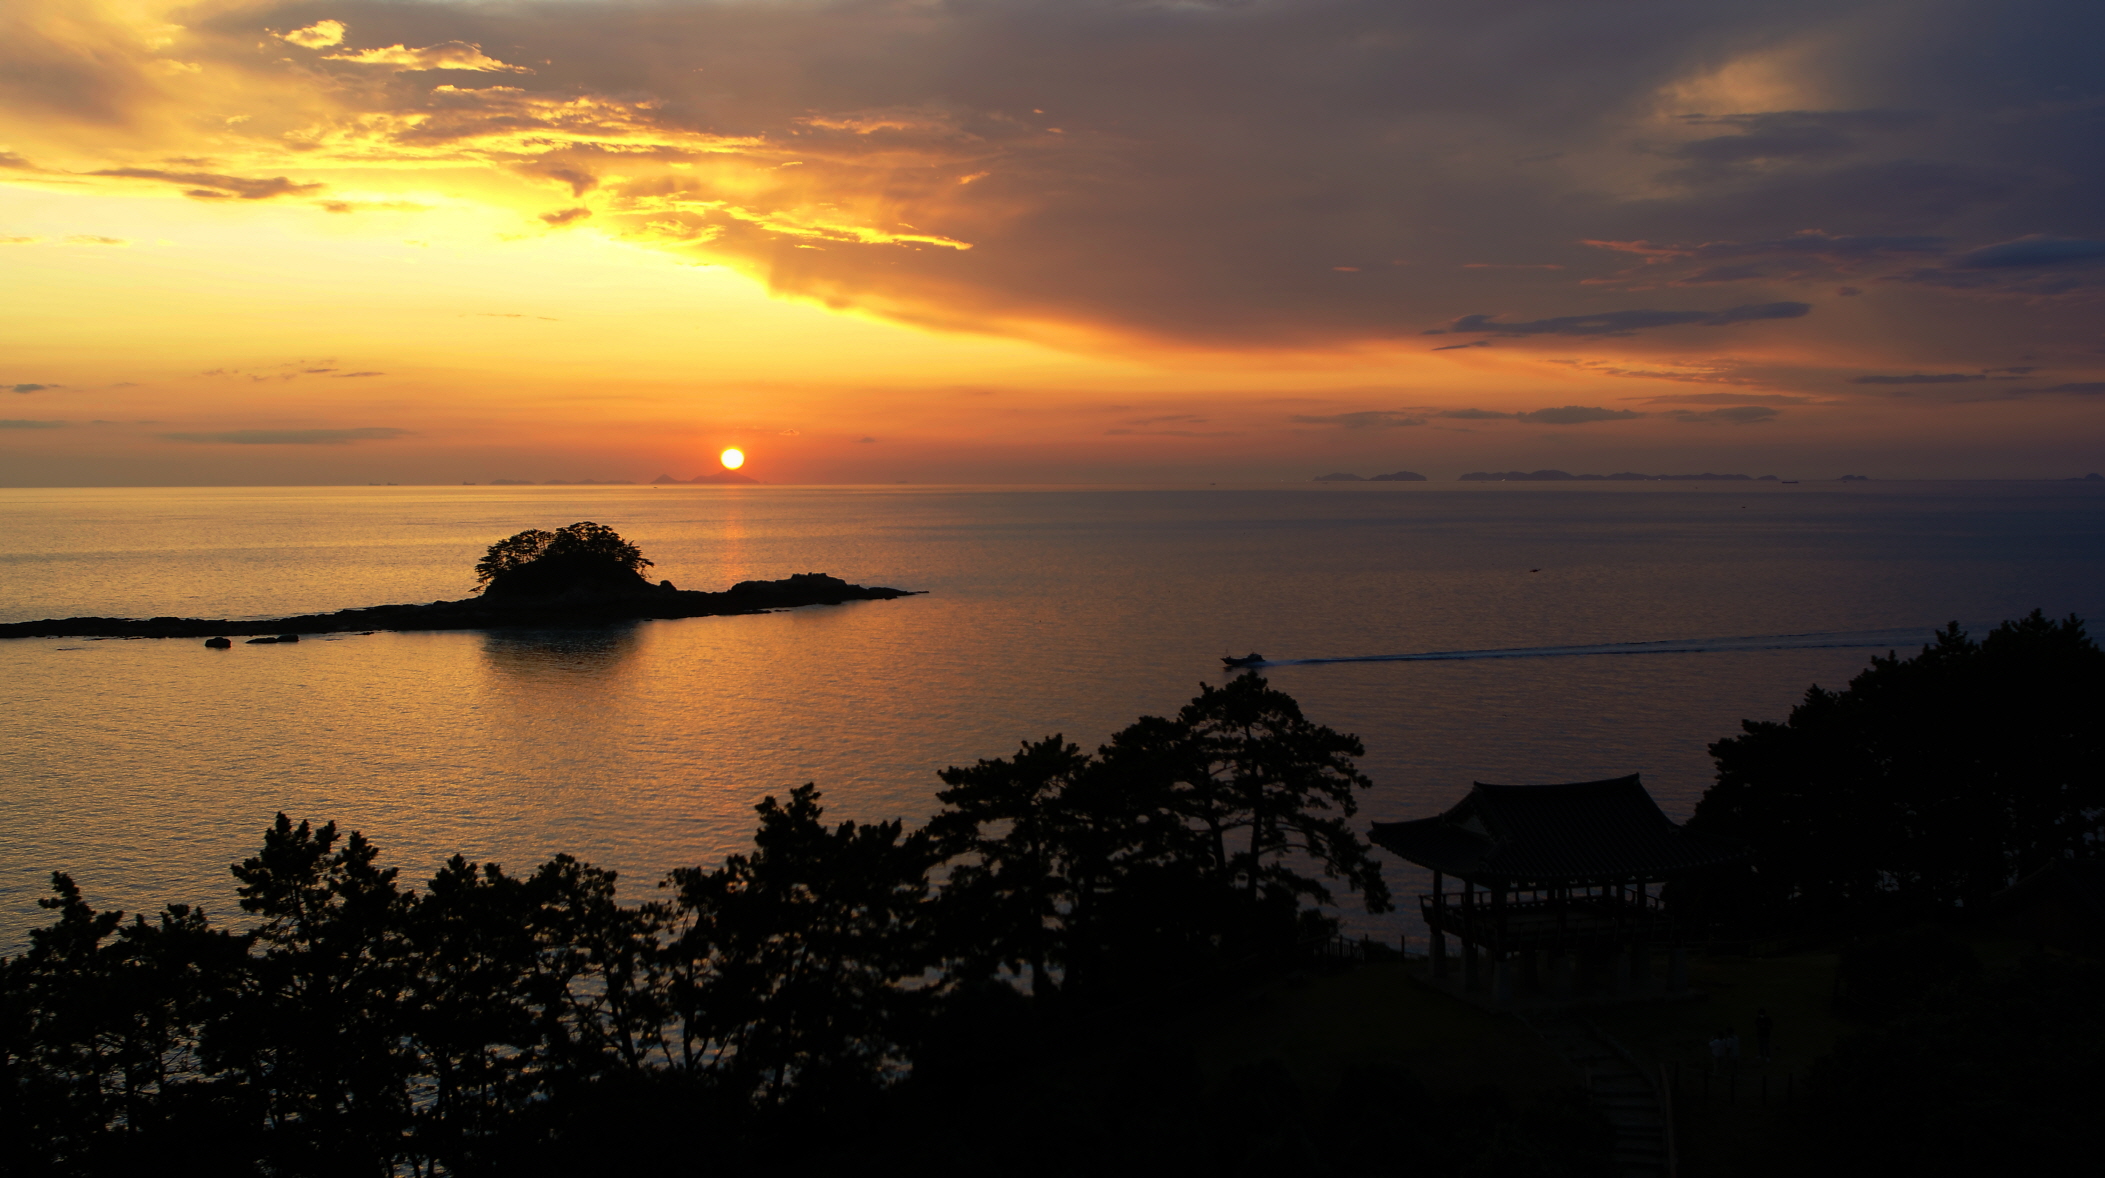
<point x="732" y="459"/>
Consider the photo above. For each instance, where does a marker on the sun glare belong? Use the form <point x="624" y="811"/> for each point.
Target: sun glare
<point x="733" y="459"/>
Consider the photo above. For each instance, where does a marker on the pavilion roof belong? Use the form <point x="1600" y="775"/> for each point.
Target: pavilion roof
<point x="1584" y="830"/>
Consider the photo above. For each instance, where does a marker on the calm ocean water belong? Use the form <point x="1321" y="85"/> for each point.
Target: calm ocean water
<point x="145" y="767"/>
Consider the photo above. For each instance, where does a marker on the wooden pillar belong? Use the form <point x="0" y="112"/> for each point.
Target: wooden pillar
<point x="1439" y="931"/>
<point x="1641" y="946"/>
<point x="1469" y="934"/>
<point x="1501" y="962"/>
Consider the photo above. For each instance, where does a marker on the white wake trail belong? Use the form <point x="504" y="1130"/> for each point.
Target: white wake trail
<point x="1899" y="640"/>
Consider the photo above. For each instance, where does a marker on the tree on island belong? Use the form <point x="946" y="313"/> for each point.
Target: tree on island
<point x="583" y="557"/>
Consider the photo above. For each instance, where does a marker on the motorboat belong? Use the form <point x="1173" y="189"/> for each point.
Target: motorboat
<point x="1248" y="660"/>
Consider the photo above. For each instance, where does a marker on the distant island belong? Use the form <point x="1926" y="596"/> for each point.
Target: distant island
<point x="1628" y="476"/>
<point x="663" y="480"/>
<point x="581" y="574"/>
<point x="1401" y="476"/>
<point x="722" y="476"/>
<point x="558" y="483"/>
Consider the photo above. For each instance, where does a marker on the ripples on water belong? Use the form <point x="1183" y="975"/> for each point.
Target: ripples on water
<point x="144" y="767"/>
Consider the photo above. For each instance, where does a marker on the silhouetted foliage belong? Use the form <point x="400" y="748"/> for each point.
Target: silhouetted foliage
<point x="1930" y="784"/>
<point x="105" y="1059"/>
<point x="841" y="996"/>
<point x="512" y="552"/>
<point x="581" y="556"/>
<point x="1995" y="1075"/>
<point x="1178" y="849"/>
<point x="787" y="968"/>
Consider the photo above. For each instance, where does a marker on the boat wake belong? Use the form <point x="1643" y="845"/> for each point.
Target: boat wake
<point x="1899" y="640"/>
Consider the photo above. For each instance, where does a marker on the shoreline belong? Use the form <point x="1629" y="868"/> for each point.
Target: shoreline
<point x="746" y="597"/>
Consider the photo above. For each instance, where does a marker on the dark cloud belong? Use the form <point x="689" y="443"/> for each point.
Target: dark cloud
<point x="1482" y="343"/>
<point x="2084" y="388"/>
<point x="1784" y="135"/>
<point x="579" y="180"/>
<point x="1472" y="414"/>
<point x="291" y="437"/>
<point x="18" y="423"/>
<point x="1367" y="419"/>
<point x="1728" y="399"/>
<point x="2036" y="252"/>
<point x="1576" y="415"/>
<point x="1806" y="140"/>
<point x="355" y="375"/>
<point x="32" y="388"/>
<point x="1809" y="244"/>
<point x="211" y="186"/>
<point x="1738" y="415"/>
<point x="2035" y="265"/>
<point x="1715" y="274"/>
<point x="566" y="216"/>
<point x="9" y="159"/>
<point x="1921" y="378"/>
<point x="1627" y="322"/>
<point x="359" y="206"/>
<point x="1170" y="433"/>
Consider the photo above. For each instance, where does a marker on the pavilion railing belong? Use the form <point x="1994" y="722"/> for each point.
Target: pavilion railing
<point x="1541" y="915"/>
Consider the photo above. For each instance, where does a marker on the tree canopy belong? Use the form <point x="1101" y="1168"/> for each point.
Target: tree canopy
<point x="489" y="1022"/>
<point x="581" y="555"/>
<point x="1184" y="844"/>
<point x="1929" y="784"/>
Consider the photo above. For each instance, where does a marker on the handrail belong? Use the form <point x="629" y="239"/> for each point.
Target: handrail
<point x="1666" y="1108"/>
<point x="1588" y="903"/>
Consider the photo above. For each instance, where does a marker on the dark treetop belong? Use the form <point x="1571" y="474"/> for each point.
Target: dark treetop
<point x="837" y="999"/>
<point x="583" y="573"/>
<point x="1925" y="787"/>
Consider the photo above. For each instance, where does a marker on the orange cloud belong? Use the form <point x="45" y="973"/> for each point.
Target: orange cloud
<point x="319" y="35"/>
<point x="446" y="55"/>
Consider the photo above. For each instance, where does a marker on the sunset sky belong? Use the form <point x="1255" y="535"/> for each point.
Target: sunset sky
<point x="1048" y="240"/>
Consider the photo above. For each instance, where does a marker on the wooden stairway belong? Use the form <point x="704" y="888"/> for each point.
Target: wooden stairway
<point x="1623" y="1091"/>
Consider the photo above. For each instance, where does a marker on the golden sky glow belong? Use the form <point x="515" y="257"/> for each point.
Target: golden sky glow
<point x="1039" y="242"/>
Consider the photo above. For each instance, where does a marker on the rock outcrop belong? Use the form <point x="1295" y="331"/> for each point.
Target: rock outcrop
<point x="567" y="605"/>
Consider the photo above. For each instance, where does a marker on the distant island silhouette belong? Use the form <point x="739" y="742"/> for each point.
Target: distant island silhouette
<point x="583" y="573"/>
<point x="1401" y="476"/>
<point x="1628" y="476"/>
<point x="721" y="476"/>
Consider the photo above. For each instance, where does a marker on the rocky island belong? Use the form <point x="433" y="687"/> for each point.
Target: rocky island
<point x="581" y="574"/>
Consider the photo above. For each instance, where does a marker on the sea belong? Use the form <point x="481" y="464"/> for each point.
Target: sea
<point x="1509" y="633"/>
